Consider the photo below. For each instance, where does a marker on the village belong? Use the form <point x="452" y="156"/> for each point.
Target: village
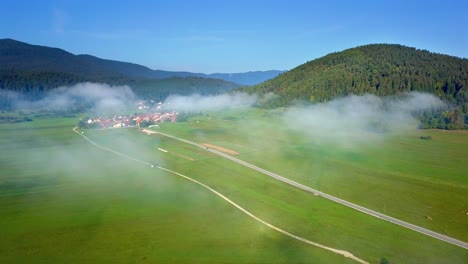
<point x="149" y="115"/>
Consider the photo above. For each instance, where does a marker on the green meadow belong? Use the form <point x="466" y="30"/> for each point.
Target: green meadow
<point x="65" y="200"/>
<point x="400" y="175"/>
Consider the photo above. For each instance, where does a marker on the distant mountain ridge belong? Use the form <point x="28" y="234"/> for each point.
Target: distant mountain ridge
<point x="247" y="78"/>
<point x="22" y="57"/>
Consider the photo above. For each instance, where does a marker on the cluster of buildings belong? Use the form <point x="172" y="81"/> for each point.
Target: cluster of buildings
<point x="143" y="120"/>
<point x="140" y="120"/>
<point x="153" y="118"/>
<point x="116" y="121"/>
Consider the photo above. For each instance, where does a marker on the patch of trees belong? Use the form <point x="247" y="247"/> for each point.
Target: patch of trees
<point x="384" y="261"/>
<point x="83" y="123"/>
<point x="449" y="119"/>
<point x="379" y="69"/>
<point x="14" y="119"/>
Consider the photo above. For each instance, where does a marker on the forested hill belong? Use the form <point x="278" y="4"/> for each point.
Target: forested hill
<point x="20" y="57"/>
<point x="31" y="71"/>
<point x="381" y="69"/>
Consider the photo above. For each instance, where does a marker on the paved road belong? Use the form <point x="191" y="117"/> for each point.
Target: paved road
<point x="330" y="197"/>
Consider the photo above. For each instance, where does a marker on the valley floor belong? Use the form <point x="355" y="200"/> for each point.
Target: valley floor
<point x="64" y="200"/>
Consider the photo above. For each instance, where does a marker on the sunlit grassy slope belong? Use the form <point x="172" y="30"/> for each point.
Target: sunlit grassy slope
<point x="64" y="200"/>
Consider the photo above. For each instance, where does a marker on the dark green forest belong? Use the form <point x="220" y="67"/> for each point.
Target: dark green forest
<point x="380" y="69"/>
<point x="30" y="72"/>
<point x="36" y="85"/>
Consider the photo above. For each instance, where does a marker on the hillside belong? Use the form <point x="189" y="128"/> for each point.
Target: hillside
<point x="22" y="57"/>
<point x="31" y="71"/>
<point x="380" y="69"/>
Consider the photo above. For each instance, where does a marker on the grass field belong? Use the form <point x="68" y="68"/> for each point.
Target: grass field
<point x="402" y="176"/>
<point x="64" y="200"/>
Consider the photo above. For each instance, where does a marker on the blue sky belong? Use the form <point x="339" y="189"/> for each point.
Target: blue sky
<point x="233" y="36"/>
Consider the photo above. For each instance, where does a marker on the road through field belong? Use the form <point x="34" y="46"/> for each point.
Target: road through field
<point x="334" y="250"/>
<point x="327" y="196"/>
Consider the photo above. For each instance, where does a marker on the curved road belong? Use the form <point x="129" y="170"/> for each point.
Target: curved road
<point x="390" y="219"/>
<point x="334" y="250"/>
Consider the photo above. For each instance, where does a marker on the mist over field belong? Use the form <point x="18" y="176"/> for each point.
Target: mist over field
<point x="197" y="103"/>
<point x="354" y="120"/>
<point x="62" y="151"/>
<point x="346" y="122"/>
<point x="94" y="97"/>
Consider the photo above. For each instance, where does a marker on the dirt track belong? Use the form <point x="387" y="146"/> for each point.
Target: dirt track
<point x="149" y="132"/>
<point x="225" y="150"/>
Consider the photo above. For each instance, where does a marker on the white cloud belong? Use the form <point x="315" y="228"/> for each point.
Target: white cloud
<point x="97" y="97"/>
<point x="197" y="102"/>
<point x="355" y="120"/>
